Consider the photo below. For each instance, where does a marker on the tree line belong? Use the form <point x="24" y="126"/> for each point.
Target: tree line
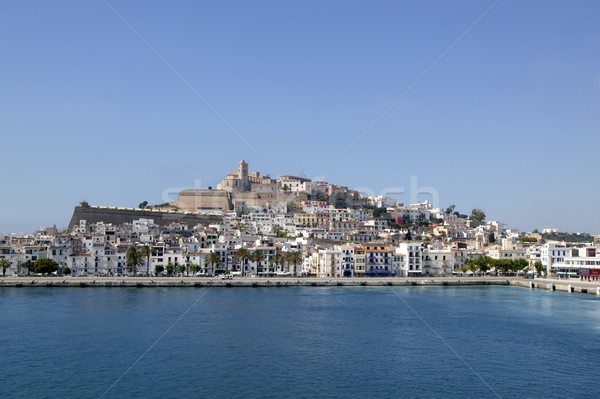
<point x="483" y="264"/>
<point x="138" y="257"/>
<point x="40" y="266"/>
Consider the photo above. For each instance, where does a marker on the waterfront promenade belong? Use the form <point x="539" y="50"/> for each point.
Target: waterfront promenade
<point x="572" y="285"/>
<point x="36" y="281"/>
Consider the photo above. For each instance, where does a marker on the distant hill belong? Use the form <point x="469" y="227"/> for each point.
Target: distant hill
<point x="568" y="237"/>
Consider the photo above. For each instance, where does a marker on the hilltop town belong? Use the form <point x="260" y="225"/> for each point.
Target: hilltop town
<point x="254" y="225"/>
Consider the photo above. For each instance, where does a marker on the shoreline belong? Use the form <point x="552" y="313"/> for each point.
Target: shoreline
<point x="36" y="281"/>
<point x="572" y="286"/>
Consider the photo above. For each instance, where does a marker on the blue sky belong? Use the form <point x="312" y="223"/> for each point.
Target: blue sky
<point x="507" y="119"/>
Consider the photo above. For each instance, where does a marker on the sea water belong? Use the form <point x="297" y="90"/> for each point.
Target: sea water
<point x="300" y="342"/>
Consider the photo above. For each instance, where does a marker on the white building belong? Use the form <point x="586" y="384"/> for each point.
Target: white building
<point x="438" y="262"/>
<point x="347" y="259"/>
<point x="508" y="250"/>
<point x="553" y="252"/>
<point x="412" y="253"/>
<point x="326" y="263"/>
<point x="583" y="263"/>
<point x="295" y="184"/>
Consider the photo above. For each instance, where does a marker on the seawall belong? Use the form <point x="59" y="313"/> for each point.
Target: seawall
<point x="570" y="286"/>
<point x="241" y="282"/>
<point x="566" y="286"/>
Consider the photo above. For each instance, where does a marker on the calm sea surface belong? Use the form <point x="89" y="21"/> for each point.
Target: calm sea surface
<point x="342" y="342"/>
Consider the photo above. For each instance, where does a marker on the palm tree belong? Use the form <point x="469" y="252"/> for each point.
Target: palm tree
<point x="146" y="251"/>
<point x="272" y="268"/>
<point x="258" y="257"/>
<point x="4" y="264"/>
<point x="295" y="258"/>
<point x="285" y="259"/>
<point x="27" y="265"/>
<point x="213" y="259"/>
<point x="277" y="260"/>
<point x="242" y="254"/>
<point x="134" y="259"/>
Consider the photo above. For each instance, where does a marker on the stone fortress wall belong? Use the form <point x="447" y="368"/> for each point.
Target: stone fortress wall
<point x="116" y="215"/>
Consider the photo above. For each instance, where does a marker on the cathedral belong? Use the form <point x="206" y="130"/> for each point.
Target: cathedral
<point x="236" y="190"/>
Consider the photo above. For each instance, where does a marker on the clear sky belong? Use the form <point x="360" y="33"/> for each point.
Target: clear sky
<point x="120" y="102"/>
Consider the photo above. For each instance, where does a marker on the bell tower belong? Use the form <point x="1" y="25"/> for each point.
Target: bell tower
<point x="243" y="170"/>
<point x="243" y="174"/>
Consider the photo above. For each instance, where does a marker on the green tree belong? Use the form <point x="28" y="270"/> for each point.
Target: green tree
<point x="170" y="269"/>
<point x="422" y="220"/>
<point x="340" y="202"/>
<point x="146" y="252"/>
<point x="45" y="266"/>
<point x="472" y="265"/>
<point x="28" y="266"/>
<point x="181" y="269"/>
<point x="194" y="268"/>
<point x="483" y="263"/>
<point x="213" y="259"/>
<point x="257" y="256"/>
<point x="159" y="269"/>
<point x="519" y="265"/>
<point x="242" y="254"/>
<point x="4" y="264"/>
<point x="143" y="205"/>
<point x="285" y="260"/>
<point x="280" y="232"/>
<point x="450" y="210"/>
<point x="504" y="265"/>
<point x="66" y="271"/>
<point x="568" y="237"/>
<point x="380" y="213"/>
<point x="539" y="268"/>
<point x="477" y="215"/>
<point x="277" y="260"/>
<point x="463" y="269"/>
<point x="133" y="259"/>
<point x="271" y="267"/>
<point x="295" y="259"/>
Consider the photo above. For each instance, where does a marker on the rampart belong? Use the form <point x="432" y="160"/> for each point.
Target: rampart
<point x="117" y="215"/>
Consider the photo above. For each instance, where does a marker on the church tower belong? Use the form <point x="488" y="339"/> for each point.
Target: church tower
<point x="243" y="174"/>
<point x="243" y="170"/>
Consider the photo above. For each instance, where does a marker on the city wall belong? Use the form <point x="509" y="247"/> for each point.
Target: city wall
<point x="114" y="215"/>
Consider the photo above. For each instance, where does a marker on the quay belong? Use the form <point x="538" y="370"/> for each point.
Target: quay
<point x="569" y="285"/>
<point x="562" y="285"/>
<point x="37" y="281"/>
